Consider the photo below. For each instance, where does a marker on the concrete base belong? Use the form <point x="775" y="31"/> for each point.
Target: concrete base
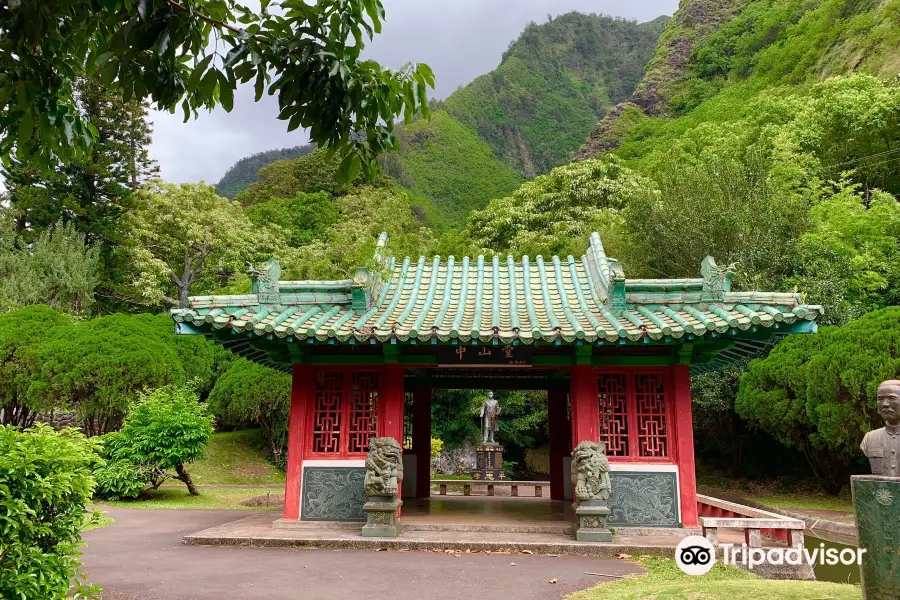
<point x="382" y="520"/>
<point x="591" y="516"/>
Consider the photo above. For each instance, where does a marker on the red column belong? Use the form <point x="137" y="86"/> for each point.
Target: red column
<point x="392" y="401"/>
<point x="392" y="390"/>
<point x="684" y="442"/>
<point x="422" y="440"/>
<point x="300" y="389"/>
<point x="585" y="405"/>
<point x="559" y="441"/>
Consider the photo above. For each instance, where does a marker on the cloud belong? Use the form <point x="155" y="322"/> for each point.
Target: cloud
<point x="460" y="40"/>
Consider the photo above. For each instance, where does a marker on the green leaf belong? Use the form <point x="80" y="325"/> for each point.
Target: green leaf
<point x="259" y="85"/>
<point x="108" y="72"/>
<point x="197" y="73"/>
<point x="226" y="92"/>
<point x="26" y="127"/>
<point x="349" y="168"/>
<point x="208" y="84"/>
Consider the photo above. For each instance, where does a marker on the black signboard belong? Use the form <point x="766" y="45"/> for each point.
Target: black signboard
<point x="517" y="356"/>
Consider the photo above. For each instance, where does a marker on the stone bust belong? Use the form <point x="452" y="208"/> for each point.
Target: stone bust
<point x="882" y="446"/>
<point x="490" y="418"/>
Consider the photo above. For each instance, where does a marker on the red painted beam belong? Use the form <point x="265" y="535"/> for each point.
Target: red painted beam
<point x="684" y="439"/>
<point x="301" y="382"/>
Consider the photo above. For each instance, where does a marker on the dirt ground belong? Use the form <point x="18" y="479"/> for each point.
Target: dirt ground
<point x="141" y="557"/>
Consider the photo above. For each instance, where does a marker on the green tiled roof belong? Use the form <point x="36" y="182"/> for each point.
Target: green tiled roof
<point x="483" y="299"/>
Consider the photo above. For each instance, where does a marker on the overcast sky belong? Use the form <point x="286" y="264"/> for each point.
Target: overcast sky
<point x="459" y="39"/>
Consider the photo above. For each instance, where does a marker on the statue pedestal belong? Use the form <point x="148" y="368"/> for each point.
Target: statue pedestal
<point x="876" y="500"/>
<point x="591" y="519"/>
<point x="489" y="462"/>
<point x="381" y="517"/>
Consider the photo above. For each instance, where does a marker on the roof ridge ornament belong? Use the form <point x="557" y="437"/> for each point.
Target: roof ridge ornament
<point x="616" y="300"/>
<point x="265" y="281"/>
<point x="716" y="280"/>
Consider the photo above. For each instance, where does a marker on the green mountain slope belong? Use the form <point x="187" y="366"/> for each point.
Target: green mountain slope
<point x="244" y="172"/>
<point x="552" y="85"/>
<point x="449" y="170"/>
<point x="716" y="55"/>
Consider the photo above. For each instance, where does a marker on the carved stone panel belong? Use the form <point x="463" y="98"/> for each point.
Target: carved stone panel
<point x="333" y="494"/>
<point x="643" y="499"/>
<point x="877" y="502"/>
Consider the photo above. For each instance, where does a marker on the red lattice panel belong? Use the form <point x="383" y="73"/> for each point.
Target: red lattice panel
<point x="326" y="434"/>
<point x="653" y="424"/>
<point x="363" y="411"/>
<point x="613" y="413"/>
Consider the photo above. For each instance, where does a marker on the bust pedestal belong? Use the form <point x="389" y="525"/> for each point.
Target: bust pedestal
<point x="489" y="462"/>
<point x="590" y="516"/>
<point x="876" y="500"/>
<point x="381" y="517"/>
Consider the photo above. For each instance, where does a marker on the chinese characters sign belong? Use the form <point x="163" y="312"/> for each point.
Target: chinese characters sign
<point x="485" y="355"/>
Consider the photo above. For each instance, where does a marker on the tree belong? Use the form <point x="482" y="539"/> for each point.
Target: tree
<point x="98" y="368"/>
<point x="850" y="261"/>
<point x="305" y="217"/>
<point x="21" y="332"/>
<point x="817" y="392"/>
<point x="164" y="50"/>
<point x="250" y="394"/>
<point x="58" y="269"/>
<point x="92" y="191"/>
<point x="244" y="172"/>
<point x="45" y="487"/>
<point x="167" y="429"/>
<point x="350" y="242"/>
<point x="730" y="208"/>
<point x="179" y="234"/>
<point x="556" y="213"/>
<point x="309" y="174"/>
<point x="715" y="420"/>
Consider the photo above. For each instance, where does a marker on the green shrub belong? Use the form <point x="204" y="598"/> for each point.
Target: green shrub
<point x="251" y="394"/>
<point x="437" y="446"/>
<point x="167" y="429"/>
<point x="120" y="480"/>
<point x="45" y="483"/>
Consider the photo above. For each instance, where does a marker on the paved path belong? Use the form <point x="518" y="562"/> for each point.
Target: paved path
<point x="141" y="557"/>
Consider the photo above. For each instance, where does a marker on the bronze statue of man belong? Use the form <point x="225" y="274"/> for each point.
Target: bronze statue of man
<point x="490" y="418"/>
<point x="882" y="446"/>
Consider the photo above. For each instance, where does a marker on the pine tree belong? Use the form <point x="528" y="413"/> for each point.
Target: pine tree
<point x="95" y="191"/>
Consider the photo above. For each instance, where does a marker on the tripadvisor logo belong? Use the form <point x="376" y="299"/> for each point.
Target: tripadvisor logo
<point x="695" y="555"/>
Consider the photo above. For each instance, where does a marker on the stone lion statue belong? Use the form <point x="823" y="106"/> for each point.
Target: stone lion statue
<point x="384" y="468"/>
<point x="590" y="471"/>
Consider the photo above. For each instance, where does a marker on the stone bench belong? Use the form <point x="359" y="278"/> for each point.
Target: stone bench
<point x="466" y="485"/>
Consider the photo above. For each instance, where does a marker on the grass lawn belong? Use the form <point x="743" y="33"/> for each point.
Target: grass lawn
<point x="96" y="520"/>
<point x="789" y="495"/>
<point x="809" y="501"/>
<point x="234" y="458"/>
<point x="209" y="498"/>
<point x="665" y="581"/>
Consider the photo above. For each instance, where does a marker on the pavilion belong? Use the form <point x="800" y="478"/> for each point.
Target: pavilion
<point x="614" y="354"/>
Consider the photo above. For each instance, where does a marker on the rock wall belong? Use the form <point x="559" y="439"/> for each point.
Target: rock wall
<point x="60" y="420"/>
<point x="694" y="20"/>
